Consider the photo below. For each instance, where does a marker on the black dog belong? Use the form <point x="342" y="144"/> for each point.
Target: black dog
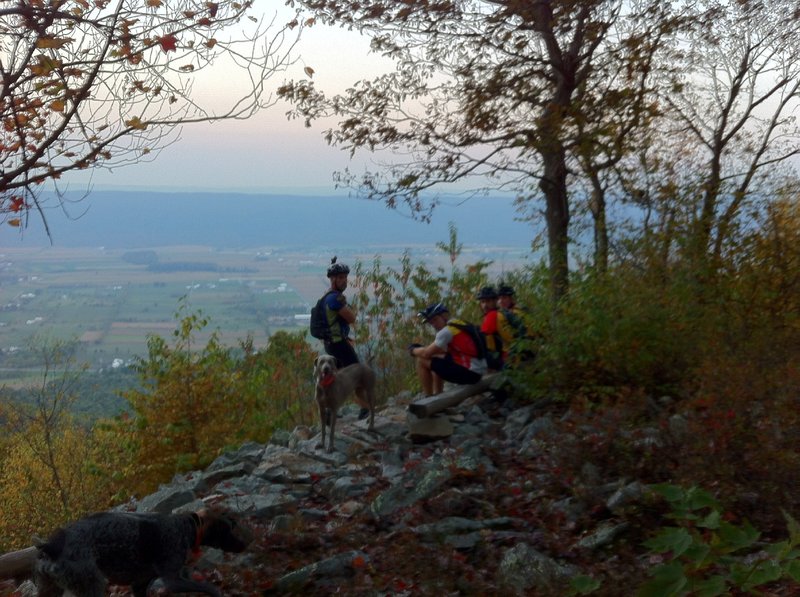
<point x="132" y="549"/>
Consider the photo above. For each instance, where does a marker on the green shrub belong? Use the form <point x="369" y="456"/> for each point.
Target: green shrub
<point x="705" y="554"/>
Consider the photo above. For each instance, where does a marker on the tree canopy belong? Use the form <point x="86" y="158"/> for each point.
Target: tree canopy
<point x="568" y="103"/>
<point x="107" y="83"/>
<point x="495" y="91"/>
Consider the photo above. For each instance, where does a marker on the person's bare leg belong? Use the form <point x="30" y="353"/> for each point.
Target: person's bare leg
<point x="438" y="384"/>
<point x="426" y="376"/>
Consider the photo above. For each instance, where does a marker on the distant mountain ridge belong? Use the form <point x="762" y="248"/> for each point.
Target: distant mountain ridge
<point x="141" y="219"/>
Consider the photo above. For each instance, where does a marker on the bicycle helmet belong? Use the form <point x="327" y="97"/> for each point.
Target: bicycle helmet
<point x="432" y="311"/>
<point x="487" y="292"/>
<point x="336" y="269"/>
<point x="504" y="290"/>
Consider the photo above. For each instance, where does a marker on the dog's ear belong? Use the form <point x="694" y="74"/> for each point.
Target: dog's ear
<point x="316" y="362"/>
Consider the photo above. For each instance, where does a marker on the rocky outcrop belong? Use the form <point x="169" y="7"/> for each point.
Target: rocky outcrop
<point x="468" y="492"/>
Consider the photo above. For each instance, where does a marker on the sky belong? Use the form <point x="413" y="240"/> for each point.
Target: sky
<point x="265" y="153"/>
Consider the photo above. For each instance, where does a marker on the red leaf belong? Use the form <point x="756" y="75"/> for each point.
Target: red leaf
<point x="17" y="203"/>
<point x="212" y="8"/>
<point x="169" y="43"/>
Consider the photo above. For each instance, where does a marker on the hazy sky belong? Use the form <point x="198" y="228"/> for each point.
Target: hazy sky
<point x="266" y="152"/>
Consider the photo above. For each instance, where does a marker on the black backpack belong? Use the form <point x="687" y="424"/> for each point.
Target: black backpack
<point x="318" y="326"/>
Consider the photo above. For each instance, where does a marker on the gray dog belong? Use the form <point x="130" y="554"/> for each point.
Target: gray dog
<point x="334" y="386"/>
<point x="132" y="549"/>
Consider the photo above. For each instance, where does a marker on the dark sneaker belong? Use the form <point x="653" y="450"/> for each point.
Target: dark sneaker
<point x="363" y="414"/>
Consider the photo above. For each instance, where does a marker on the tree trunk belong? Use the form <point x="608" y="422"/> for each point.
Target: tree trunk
<point x="554" y="187"/>
<point x="598" y="207"/>
<point x="431" y="405"/>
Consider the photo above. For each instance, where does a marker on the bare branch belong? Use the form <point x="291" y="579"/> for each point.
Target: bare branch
<point x="102" y="84"/>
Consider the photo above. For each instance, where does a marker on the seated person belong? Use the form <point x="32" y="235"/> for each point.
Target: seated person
<point x="496" y="345"/>
<point x="452" y="356"/>
<point x="513" y="326"/>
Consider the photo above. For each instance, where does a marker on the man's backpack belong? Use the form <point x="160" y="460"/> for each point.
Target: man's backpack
<point x="494" y="358"/>
<point x="475" y="335"/>
<point x="524" y="337"/>
<point x="318" y="326"/>
<point x="516" y="322"/>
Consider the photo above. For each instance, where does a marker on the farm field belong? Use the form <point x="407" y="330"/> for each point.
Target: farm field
<point x="110" y="305"/>
<point x="110" y="301"/>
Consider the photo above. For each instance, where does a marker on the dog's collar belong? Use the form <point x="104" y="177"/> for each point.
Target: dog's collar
<point x="327" y="380"/>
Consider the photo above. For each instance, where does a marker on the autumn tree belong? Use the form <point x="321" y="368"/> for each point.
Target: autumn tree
<point x="504" y="92"/>
<point x="724" y="145"/>
<point x="53" y="469"/>
<point x="188" y="406"/>
<point x="198" y="397"/>
<point x="109" y="82"/>
<point x="278" y="376"/>
<point x="738" y="101"/>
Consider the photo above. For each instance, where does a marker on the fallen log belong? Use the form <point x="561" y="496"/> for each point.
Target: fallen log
<point x="18" y="564"/>
<point x="425" y="407"/>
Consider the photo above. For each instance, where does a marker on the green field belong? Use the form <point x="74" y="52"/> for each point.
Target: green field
<point x="109" y="302"/>
<point x="110" y="306"/>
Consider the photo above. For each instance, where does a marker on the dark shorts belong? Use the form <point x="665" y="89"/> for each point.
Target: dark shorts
<point x="453" y="372"/>
<point x="343" y="351"/>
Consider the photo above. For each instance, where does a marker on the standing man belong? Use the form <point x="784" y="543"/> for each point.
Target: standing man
<point x="340" y="317"/>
